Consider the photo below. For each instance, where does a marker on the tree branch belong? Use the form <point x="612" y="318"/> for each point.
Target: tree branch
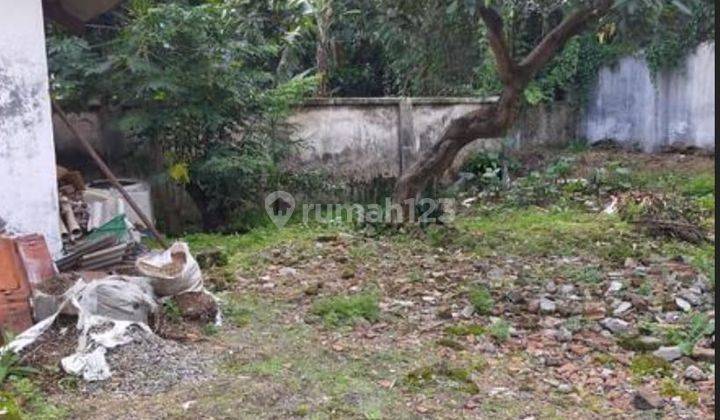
<point x="572" y="25"/>
<point x="506" y="66"/>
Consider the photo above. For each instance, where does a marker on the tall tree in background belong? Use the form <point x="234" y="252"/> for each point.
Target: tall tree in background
<point x="323" y="11"/>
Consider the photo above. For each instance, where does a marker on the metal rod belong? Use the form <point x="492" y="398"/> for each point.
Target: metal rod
<point x="110" y="176"/>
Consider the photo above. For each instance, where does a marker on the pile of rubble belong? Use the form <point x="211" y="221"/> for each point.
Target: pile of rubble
<point x="111" y="310"/>
<point x="95" y="230"/>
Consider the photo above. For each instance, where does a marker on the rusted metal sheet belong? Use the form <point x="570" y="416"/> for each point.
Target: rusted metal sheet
<point x="12" y="274"/>
<point x="36" y="259"/>
<point x="15" y="316"/>
<point x="15" y="310"/>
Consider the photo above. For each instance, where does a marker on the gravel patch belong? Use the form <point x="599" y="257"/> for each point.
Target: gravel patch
<point x="151" y="365"/>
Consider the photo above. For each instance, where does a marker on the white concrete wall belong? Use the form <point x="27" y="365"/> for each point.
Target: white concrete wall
<point x="678" y="107"/>
<point x="28" y="188"/>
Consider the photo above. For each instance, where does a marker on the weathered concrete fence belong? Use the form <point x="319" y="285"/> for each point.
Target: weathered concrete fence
<point x="628" y="106"/>
<point x="361" y="139"/>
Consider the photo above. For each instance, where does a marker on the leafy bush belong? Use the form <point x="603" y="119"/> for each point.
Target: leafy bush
<point x="198" y="83"/>
<point x="10" y="364"/>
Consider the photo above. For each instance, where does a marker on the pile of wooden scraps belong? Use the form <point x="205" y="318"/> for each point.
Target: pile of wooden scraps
<point x="114" y="245"/>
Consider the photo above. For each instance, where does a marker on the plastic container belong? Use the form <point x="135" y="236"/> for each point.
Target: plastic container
<point x="138" y="190"/>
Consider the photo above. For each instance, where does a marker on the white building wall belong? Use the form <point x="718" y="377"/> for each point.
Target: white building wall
<point x="28" y="188"/>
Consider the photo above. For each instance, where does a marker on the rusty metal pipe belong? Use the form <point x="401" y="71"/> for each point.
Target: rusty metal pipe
<point x="110" y="176"/>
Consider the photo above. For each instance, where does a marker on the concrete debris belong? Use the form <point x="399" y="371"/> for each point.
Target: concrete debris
<point x="615" y="286"/>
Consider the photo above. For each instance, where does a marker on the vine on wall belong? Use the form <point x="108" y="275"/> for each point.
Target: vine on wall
<point x="573" y="73"/>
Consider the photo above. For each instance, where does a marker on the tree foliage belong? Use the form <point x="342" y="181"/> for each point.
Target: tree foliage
<point x="199" y="82"/>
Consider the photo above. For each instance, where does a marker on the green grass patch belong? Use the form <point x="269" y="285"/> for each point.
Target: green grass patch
<point x="698" y="186"/>
<point x="345" y="310"/>
<point x="670" y="389"/>
<point x="466" y="330"/>
<point x="648" y="365"/>
<point x="693" y="184"/>
<point x="500" y="331"/>
<point x="243" y="249"/>
<point x="701" y="257"/>
<point x="481" y="300"/>
<point x="31" y="401"/>
<point x="587" y="275"/>
<point x="444" y="375"/>
<point x="540" y="232"/>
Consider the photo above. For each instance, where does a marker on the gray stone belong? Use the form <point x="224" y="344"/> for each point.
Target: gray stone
<point x="496" y="274"/>
<point x="704" y="354"/>
<point x="565" y="388"/>
<point x="468" y="311"/>
<point x="615" y="325"/>
<point x="694" y="373"/>
<point x="563" y="335"/>
<point x="683" y="304"/>
<point x="622" y="308"/>
<point x="670" y="354"/>
<point x="547" y="306"/>
<point x="551" y="287"/>
<point x="615" y="286"/>
<point x="702" y="285"/>
<point x="650" y="342"/>
<point x="567" y="289"/>
<point x="646" y="399"/>
<point x="287" y="272"/>
<point x="695" y="299"/>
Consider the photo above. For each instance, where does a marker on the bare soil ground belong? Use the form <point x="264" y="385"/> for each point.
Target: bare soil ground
<point x="512" y="311"/>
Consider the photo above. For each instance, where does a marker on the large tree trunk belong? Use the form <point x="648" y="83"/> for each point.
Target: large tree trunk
<point x="493" y="121"/>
